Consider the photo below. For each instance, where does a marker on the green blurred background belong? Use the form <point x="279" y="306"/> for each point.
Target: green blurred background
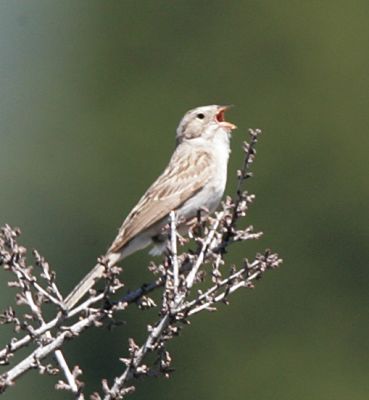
<point x="91" y="93"/>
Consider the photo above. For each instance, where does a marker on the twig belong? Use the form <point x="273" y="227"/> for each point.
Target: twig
<point x="173" y="248"/>
<point x="191" y="276"/>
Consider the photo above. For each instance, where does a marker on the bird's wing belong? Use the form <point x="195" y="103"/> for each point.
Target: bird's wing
<point x="185" y="175"/>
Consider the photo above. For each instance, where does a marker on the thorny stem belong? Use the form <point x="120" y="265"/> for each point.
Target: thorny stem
<point x="243" y="173"/>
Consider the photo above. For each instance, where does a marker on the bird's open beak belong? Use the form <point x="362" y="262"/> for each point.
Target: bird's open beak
<point x="220" y="118"/>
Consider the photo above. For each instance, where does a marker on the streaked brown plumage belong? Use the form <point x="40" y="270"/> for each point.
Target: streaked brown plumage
<point x="194" y="178"/>
<point x="183" y="177"/>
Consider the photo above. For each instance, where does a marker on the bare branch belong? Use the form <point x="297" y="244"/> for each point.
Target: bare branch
<point x="176" y="278"/>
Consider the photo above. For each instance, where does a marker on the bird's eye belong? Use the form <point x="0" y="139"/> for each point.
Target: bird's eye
<point x="200" y="116"/>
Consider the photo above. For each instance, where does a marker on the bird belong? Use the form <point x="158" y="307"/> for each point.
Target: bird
<point x="194" y="180"/>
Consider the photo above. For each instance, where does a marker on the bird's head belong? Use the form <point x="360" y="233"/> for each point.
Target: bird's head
<point x="205" y="121"/>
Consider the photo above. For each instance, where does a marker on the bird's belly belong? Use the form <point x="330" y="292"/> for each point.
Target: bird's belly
<point x="208" y="198"/>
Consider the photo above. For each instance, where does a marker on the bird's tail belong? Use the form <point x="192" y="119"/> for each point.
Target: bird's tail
<point x="84" y="286"/>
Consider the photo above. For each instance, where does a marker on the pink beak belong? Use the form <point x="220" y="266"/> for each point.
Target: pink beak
<point x="220" y="118"/>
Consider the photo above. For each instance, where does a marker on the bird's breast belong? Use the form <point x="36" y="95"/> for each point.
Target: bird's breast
<point x="211" y="193"/>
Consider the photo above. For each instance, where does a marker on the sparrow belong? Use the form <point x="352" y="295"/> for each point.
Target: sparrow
<point x="194" y="180"/>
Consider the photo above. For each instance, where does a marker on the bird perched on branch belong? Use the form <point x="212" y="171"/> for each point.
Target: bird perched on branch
<point x="194" y="179"/>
